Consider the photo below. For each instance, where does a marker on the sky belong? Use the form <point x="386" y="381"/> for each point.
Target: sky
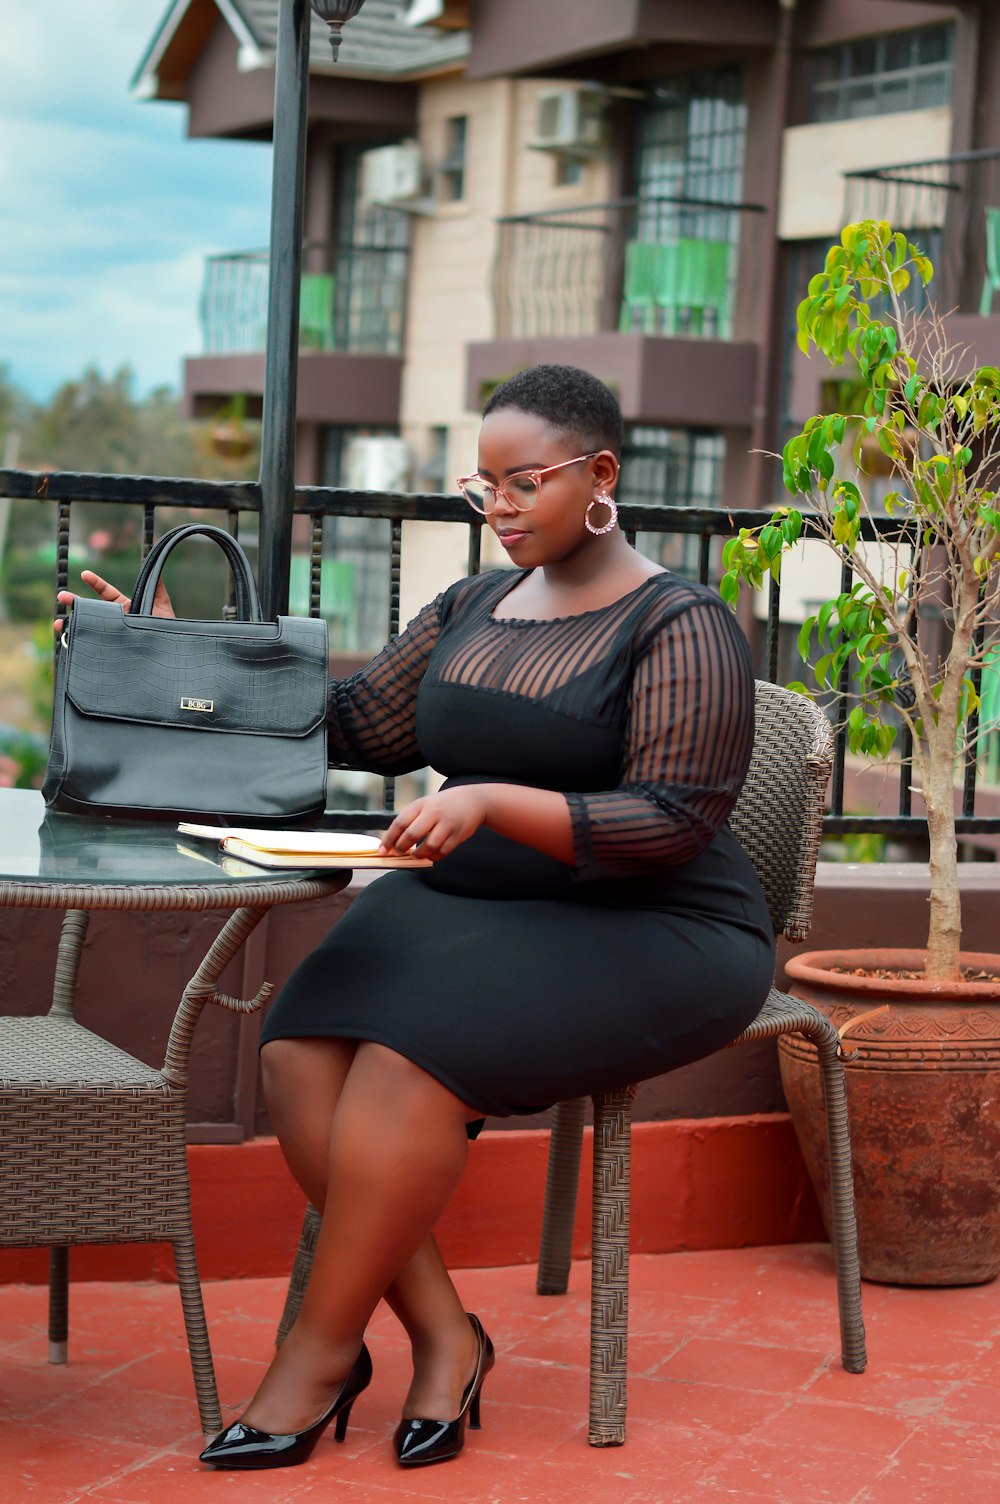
<point x="107" y="211"/>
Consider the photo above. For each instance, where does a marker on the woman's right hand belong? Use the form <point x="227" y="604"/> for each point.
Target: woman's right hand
<point x="105" y="591"/>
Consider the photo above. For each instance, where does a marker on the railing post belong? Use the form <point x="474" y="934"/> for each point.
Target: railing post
<point x="277" y="447"/>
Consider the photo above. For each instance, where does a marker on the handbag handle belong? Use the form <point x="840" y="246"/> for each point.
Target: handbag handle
<point x="247" y="600"/>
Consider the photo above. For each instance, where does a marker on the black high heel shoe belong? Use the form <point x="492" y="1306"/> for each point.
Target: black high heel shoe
<point x="418" y="1442"/>
<point x="245" y="1447"/>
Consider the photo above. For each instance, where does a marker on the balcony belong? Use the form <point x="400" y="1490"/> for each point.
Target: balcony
<point x="333" y="580"/>
<point x="735" y="1388"/>
<point x="645" y="290"/>
<point x="352" y="299"/>
<point x="950" y="206"/>
<point x="352" y="310"/>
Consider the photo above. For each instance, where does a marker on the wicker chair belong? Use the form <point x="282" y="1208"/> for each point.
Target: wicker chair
<point x="93" y="1148"/>
<point x="778" y="820"/>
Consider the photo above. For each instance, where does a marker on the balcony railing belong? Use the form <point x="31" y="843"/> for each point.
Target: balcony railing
<point x="654" y="525"/>
<point x="950" y="206"/>
<point x="655" y="265"/>
<point x="351" y="299"/>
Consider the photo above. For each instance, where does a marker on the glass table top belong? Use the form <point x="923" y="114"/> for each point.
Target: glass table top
<point x="37" y="845"/>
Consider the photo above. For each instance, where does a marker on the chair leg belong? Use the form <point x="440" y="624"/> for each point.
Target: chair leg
<point x="844" y="1228"/>
<point x="562" y="1179"/>
<point x="197" y="1335"/>
<point x="609" y="1272"/>
<point x="300" y="1273"/>
<point x="59" y="1304"/>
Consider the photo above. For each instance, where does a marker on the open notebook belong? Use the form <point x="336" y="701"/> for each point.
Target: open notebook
<point x="300" y="848"/>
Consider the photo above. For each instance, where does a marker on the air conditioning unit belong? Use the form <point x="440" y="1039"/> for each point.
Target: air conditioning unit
<point x="571" y="122"/>
<point x="393" y="177"/>
<point x="377" y="462"/>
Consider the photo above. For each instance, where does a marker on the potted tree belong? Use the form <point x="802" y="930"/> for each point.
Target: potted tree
<point x="924" y="1027"/>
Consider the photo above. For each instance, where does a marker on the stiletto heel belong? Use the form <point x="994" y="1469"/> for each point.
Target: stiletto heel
<point x="419" y="1442"/>
<point x="340" y="1429"/>
<point x="241" y="1446"/>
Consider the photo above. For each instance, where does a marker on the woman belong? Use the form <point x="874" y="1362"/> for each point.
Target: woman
<point x="589" y="919"/>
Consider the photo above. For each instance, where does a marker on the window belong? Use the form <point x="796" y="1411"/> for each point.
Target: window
<point x="690" y="145"/>
<point x="432" y="468"/>
<point x="371" y="259"/>
<point x="360" y="545"/>
<point x="452" y="169"/>
<point x="906" y="70"/>
<point x="690" y="138"/>
<point x="674" y="467"/>
<point x="568" y="171"/>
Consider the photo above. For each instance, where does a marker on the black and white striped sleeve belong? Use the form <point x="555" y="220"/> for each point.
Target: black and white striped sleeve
<point x="687" y="748"/>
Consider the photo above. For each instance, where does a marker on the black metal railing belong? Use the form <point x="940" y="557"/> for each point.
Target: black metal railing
<point x="655" y="265"/>
<point x="950" y="207"/>
<point x="351" y="298"/>
<point x="703" y="526"/>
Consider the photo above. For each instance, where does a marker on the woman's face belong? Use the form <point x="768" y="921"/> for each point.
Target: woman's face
<point x="510" y="442"/>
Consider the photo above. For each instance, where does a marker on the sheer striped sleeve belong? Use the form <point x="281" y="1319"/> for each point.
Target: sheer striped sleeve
<point x="688" y="745"/>
<point x="371" y="720"/>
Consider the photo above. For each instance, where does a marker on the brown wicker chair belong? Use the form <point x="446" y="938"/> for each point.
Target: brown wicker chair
<point x="93" y="1148"/>
<point x="778" y="820"/>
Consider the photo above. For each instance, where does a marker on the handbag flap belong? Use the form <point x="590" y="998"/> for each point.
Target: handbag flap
<point x="264" y="677"/>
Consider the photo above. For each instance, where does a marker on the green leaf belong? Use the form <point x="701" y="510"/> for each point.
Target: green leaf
<point x="845" y="531"/>
<point x="823" y="620"/>
<point x="888" y="442"/>
<point x="885" y="736"/>
<point x="805" y="637"/>
<point x="792" y="527"/>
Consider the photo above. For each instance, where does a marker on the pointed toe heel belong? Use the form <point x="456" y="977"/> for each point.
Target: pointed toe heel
<point x="417" y="1443"/>
<point x="242" y="1446"/>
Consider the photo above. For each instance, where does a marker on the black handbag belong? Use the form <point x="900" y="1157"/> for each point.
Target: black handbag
<point x="166" y="718"/>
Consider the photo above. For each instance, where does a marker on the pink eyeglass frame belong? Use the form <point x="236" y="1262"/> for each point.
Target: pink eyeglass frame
<point x="536" y="476"/>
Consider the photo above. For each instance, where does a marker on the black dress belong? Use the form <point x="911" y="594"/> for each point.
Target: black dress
<point x="515" y="979"/>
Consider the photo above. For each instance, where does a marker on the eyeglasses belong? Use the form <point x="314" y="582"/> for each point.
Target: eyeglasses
<point x="521" y="490"/>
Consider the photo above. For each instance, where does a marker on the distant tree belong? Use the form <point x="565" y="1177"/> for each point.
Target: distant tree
<point x="15" y="410"/>
<point x="95" y="424"/>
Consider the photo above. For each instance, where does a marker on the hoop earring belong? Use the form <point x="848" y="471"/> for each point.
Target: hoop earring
<point x="612" y="506"/>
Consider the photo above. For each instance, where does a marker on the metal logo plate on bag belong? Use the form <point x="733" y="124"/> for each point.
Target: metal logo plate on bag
<point x="187" y="703"/>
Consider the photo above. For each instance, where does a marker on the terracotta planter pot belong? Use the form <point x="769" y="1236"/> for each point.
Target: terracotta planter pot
<point x="923" y="1091"/>
<point x="231" y="441"/>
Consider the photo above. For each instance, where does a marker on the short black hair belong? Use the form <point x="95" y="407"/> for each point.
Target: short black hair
<point x="568" y="398"/>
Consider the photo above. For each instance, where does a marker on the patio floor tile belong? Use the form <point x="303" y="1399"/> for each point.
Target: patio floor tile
<point x="736" y="1395"/>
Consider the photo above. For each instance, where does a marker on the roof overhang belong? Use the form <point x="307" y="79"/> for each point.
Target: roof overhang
<point x="186" y="26"/>
<point x="178" y="42"/>
<point x="523" y="37"/>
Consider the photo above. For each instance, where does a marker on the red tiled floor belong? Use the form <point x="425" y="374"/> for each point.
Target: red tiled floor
<point x="736" y="1395"/>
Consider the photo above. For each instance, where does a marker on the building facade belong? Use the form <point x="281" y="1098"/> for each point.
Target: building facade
<point x="641" y="187"/>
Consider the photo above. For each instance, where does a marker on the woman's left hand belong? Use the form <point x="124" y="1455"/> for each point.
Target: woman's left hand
<point x="433" y="826"/>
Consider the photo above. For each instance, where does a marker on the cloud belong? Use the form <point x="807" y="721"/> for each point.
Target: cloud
<point x="147" y="316"/>
<point x="106" y="211"/>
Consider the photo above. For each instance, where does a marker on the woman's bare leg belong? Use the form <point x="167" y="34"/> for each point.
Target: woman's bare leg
<point x="303" y="1080"/>
<point x="445" y="1348"/>
<point x="395" y="1151"/>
